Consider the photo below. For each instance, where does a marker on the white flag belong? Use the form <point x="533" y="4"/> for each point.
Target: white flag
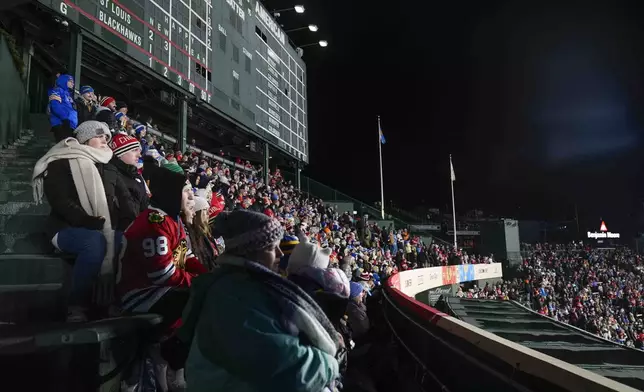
<point x="451" y="168"/>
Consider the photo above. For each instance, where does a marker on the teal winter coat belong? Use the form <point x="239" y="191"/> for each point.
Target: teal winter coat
<point x="238" y="343"/>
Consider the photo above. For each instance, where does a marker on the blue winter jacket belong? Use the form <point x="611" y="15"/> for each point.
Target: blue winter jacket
<point x="61" y="103"/>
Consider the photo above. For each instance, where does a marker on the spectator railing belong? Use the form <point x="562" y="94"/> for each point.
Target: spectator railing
<point x="485" y="361"/>
<point x="326" y="193"/>
<point x="409" y="216"/>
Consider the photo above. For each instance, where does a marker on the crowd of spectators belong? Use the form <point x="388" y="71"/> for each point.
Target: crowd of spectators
<point x="598" y="290"/>
<point x="257" y="283"/>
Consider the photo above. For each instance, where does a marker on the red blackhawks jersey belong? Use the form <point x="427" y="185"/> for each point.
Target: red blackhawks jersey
<point x="155" y="258"/>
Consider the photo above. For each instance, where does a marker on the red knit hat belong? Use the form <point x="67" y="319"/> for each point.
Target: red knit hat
<point x="123" y="143"/>
<point x="106" y="101"/>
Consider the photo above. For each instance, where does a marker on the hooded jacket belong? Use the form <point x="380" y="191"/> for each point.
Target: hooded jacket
<point x="61" y="103"/>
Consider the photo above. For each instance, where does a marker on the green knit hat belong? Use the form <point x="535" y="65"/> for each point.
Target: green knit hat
<point x="173" y="166"/>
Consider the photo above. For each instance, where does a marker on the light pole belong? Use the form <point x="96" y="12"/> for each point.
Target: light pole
<point x="311" y="27"/>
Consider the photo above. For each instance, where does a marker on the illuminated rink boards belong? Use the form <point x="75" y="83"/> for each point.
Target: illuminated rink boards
<point x="230" y="54"/>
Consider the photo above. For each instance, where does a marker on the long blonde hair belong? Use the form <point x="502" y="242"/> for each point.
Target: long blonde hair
<point x="200" y="223"/>
<point x="199" y="232"/>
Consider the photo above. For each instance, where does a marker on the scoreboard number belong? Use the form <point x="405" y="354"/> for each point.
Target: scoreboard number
<point x="179" y="79"/>
<point x="165" y="71"/>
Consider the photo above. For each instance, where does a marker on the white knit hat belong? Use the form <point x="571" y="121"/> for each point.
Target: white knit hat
<point x="307" y="254"/>
<point x="201" y="204"/>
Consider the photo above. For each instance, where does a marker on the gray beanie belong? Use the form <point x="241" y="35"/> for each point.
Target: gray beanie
<point x="91" y="129"/>
<point x="245" y="231"/>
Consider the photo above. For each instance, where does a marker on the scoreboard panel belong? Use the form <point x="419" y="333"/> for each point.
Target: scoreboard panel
<point x="229" y="53"/>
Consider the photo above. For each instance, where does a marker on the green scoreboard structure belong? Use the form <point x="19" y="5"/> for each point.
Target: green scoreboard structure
<point x="229" y="54"/>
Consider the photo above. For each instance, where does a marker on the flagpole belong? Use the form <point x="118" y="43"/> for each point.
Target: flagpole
<point x="382" y="187"/>
<point x="451" y="182"/>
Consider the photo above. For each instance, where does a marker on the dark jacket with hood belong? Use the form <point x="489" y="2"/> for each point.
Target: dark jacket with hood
<point x="134" y="183"/>
<point x="85" y="110"/>
<point x="66" y="210"/>
<point x="107" y="116"/>
<point x="62" y="109"/>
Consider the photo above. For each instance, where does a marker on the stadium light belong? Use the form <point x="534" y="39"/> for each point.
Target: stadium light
<point x="298" y="9"/>
<point x="310" y="27"/>
<point x="322" y="43"/>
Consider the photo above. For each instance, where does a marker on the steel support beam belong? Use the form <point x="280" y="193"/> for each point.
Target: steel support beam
<point x="75" y="55"/>
<point x="183" y="125"/>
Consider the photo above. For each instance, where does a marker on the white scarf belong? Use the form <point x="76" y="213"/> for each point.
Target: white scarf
<point x="89" y="185"/>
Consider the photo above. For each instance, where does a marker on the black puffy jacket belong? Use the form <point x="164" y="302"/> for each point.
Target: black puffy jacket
<point x="66" y="210"/>
<point x="138" y="196"/>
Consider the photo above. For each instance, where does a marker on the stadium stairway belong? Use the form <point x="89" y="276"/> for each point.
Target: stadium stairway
<point x="33" y="283"/>
<point x="31" y="279"/>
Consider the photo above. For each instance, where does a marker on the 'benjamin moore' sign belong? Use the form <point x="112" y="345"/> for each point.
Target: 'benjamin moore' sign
<point x="603" y="233"/>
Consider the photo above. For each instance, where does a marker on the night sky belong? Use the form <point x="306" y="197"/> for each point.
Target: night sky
<point x="540" y="105"/>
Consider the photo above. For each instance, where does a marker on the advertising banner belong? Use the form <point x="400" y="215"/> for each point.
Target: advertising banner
<point x="450" y="274"/>
<point x="434" y="295"/>
<point x="465" y="272"/>
<point x="464" y="232"/>
<point x="412" y="282"/>
<point x="426" y="227"/>
<point x="487" y="271"/>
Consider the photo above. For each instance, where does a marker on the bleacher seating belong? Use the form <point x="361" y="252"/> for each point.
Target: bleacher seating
<point x="33" y="285"/>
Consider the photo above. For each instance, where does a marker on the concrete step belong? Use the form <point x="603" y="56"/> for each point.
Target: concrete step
<point x="16" y="196"/>
<point x="32" y="303"/>
<point x="17" y="176"/>
<point x="20" y="223"/>
<point x="25" y="243"/>
<point x="15" y="185"/>
<point x="33" y="149"/>
<point x="16" y="171"/>
<point x="25" y="208"/>
<point x="26" y="163"/>
<point x="7" y="157"/>
<point x="29" y="144"/>
<point x="32" y="269"/>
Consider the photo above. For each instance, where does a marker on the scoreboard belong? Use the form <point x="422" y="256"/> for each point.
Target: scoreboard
<point x="231" y="54"/>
